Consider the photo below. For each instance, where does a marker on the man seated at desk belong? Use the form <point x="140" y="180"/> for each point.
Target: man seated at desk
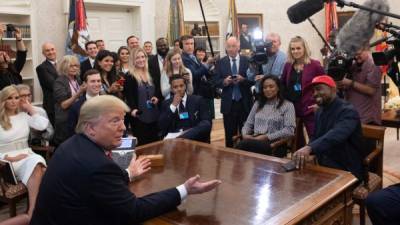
<point x="185" y="115"/>
<point x="338" y="134"/>
<point x="84" y="186"/>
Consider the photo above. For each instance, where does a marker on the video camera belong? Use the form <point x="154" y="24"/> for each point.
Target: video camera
<point x="339" y="65"/>
<point x="260" y="55"/>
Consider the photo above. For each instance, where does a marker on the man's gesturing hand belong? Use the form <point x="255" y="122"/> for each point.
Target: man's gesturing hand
<point x="193" y="186"/>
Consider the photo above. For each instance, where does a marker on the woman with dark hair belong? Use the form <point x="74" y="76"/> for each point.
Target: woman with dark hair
<point x="123" y="55"/>
<point x="271" y="118"/>
<point x="201" y="54"/>
<point x="10" y="73"/>
<point x="109" y="78"/>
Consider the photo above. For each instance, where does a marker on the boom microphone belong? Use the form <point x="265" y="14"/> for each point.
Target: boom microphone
<point x="357" y="32"/>
<point x="302" y="10"/>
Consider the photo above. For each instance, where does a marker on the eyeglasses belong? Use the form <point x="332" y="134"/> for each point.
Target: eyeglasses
<point x="25" y="96"/>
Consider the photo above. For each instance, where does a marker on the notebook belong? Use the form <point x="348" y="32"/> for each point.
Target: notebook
<point x="8" y="172"/>
<point x="123" y="155"/>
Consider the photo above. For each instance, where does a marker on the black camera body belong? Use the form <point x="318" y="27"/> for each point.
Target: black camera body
<point x="260" y="55"/>
<point x="384" y="58"/>
<point x="11" y="28"/>
<point x="339" y="66"/>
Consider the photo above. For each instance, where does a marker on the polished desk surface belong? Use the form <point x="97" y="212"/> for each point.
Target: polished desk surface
<point x="255" y="189"/>
<point x="390" y="119"/>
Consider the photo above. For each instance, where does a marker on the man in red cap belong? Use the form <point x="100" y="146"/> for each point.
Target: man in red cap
<point x="337" y="137"/>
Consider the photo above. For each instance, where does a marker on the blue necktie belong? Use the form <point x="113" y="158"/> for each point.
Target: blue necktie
<point x="236" y="95"/>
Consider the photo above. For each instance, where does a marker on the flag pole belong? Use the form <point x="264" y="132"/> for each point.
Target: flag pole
<point x="205" y="24"/>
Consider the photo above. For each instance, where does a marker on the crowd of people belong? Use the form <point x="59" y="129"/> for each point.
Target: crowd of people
<point x="88" y="106"/>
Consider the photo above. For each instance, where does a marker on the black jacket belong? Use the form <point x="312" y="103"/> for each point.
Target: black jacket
<point x="82" y="186"/>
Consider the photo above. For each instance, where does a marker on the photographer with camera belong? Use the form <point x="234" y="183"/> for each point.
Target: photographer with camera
<point x="274" y="64"/>
<point x="362" y="87"/>
<point x="10" y="73"/>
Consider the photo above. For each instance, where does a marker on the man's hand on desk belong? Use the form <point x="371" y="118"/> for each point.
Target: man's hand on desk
<point x="194" y="186"/>
<point x="300" y="156"/>
<point x="139" y="167"/>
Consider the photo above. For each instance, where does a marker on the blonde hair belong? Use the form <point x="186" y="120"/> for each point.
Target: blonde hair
<point x="135" y="71"/>
<point x="95" y="107"/>
<point x="65" y="63"/>
<point x="169" y="68"/>
<point x="4" y="95"/>
<point x="307" y="52"/>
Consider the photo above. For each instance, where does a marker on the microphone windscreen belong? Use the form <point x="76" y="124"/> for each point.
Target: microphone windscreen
<point x="302" y="10"/>
<point x="357" y="32"/>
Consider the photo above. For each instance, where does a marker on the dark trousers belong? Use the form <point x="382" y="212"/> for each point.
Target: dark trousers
<point x="233" y="122"/>
<point x="384" y="206"/>
<point x="144" y="132"/>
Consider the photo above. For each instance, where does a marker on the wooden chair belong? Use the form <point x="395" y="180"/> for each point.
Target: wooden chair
<point x="372" y="181"/>
<point x="11" y="194"/>
<point x="46" y="151"/>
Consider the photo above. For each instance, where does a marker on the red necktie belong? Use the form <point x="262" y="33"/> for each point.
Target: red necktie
<point x="108" y="154"/>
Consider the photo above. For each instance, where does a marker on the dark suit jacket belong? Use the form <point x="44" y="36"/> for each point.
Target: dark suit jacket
<point x="85" y="66"/>
<point x="337" y="137"/>
<point x="82" y="186"/>
<point x="155" y="73"/>
<point x="223" y="69"/>
<point x="73" y="114"/>
<point x="47" y="75"/>
<point x="198" y="71"/>
<point x="199" y="116"/>
<point x="62" y="92"/>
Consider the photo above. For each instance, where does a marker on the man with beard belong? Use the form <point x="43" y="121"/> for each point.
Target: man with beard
<point x="156" y="63"/>
<point x="338" y="134"/>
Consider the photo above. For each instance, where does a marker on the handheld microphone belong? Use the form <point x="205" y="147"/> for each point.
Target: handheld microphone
<point x="357" y="32"/>
<point x="302" y="10"/>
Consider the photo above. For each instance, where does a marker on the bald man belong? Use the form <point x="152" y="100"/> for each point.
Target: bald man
<point x="236" y="100"/>
<point x="47" y="74"/>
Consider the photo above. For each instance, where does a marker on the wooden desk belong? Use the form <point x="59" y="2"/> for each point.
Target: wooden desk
<point x="255" y="188"/>
<point x="390" y="119"/>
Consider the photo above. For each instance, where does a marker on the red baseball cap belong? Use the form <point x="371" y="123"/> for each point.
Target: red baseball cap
<point x="324" y="79"/>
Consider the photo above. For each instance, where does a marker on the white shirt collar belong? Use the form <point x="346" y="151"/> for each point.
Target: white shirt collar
<point x="89" y="97"/>
<point x="91" y="62"/>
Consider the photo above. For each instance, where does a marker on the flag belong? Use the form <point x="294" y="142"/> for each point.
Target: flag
<point x="331" y="19"/>
<point x="233" y="25"/>
<point x="78" y="33"/>
<point x="175" y="20"/>
<point x="381" y="48"/>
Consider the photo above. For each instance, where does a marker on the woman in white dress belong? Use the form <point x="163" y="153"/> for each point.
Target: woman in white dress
<point x="15" y="124"/>
<point x="174" y="66"/>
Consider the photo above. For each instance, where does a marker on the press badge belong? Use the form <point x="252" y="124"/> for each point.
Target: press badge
<point x="297" y="87"/>
<point x="184" y="115"/>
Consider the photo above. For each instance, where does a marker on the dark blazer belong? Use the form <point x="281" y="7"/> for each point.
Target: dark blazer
<point x="83" y="186"/>
<point x="198" y="71"/>
<point x="223" y="69"/>
<point x="155" y="73"/>
<point x="47" y="75"/>
<point x="12" y="75"/>
<point x="85" y="66"/>
<point x="310" y="71"/>
<point x="73" y="114"/>
<point x="199" y="117"/>
<point x="62" y="92"/>
<point x="338" y="136"/>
